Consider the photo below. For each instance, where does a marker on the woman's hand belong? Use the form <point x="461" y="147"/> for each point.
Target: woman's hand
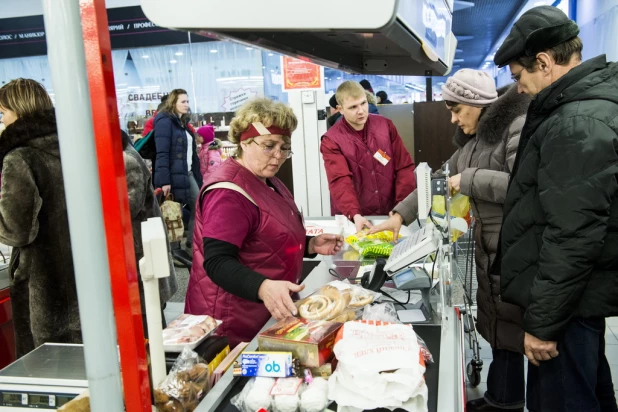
<point x="454" y="182"/>
<point x="276" y="297"/>
<point x="393" y="223"/>
<point x="166" y="190"/>
<point x="325" y="244"/>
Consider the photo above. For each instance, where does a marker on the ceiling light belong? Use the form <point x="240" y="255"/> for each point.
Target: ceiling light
<point x="173" y="61"/>
<point x="338" y="78"/>
<point x="249" y="48"/>
<point x="270" y="54"/>
<point x="145" y="56"/>
<point x="213" y="50"/>
<point x="178" y="53"/>
<point x="263" y="67"/>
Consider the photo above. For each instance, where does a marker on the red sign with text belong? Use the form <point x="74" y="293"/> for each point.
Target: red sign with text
<point x="299" y="74"/>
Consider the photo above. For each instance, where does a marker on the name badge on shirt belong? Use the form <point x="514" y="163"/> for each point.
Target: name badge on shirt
<point x="382" y="157"/>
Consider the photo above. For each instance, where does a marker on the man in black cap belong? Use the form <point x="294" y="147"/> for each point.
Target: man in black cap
<point x="558" y="257"/>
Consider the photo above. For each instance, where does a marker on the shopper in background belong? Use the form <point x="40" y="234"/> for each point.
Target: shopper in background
<point x="558" y="256"/>
<point x="249" y="237"/>
<point x="335" y="114"/>
<point x="383" y="97"/>
<point x="177" y="165"/>
<point x="143" y="205"/>
<point x="371" y="100"/>
<point x="210" y="155"/>
<point x="34" y="221"/>
<point x="149" y="124"/>
<point x="368" y="168"/>
<point x="490" y="124"/>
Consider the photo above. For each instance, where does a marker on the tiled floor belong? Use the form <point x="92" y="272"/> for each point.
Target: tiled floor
<point x="611" y="351"/>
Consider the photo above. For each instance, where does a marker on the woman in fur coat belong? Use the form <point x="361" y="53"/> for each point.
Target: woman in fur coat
<point x="34" y="221"/>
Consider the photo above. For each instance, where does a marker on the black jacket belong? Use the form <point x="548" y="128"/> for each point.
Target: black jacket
<point x="171" y="165"/>
<point x="559" y="242"/>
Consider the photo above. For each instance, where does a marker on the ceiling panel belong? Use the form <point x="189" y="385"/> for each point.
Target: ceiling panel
<point x="477" y="28"/>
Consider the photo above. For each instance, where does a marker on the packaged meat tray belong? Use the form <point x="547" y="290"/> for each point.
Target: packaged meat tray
<point x="188" y="331"/>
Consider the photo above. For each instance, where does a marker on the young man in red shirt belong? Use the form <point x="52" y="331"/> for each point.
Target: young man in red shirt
<point x="368" y="168"/>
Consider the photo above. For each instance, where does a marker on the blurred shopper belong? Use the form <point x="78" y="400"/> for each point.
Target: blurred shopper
<point x="558" y="255"/>
<point x="335" y="114"/>
<point x="149" y="124"/>
<point x="249" y="237"/>
<point x="177" y="165"/>
<point x="211" y="155"/>
<point x="383" y="97"/>
<point x="371" y="99"/>
<point x="143" y="205"/>
<point x="490" y="124"/>
<point x="368" y="168"/>
<point x="34" y="221"/>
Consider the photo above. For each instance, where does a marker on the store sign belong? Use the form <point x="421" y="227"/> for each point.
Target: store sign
<point x="237" y="98"/>
<point x="300" y="75"/>
<point x="128" y="27"/>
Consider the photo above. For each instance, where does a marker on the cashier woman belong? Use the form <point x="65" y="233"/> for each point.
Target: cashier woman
<point x="249" y="239"/>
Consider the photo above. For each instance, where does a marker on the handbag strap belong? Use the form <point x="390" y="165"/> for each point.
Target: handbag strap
<point x="230" y="186"/>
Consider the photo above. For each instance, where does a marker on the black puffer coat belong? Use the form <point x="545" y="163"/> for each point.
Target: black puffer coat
<point x="171" y="165"/>
<point x="559" y="242"/>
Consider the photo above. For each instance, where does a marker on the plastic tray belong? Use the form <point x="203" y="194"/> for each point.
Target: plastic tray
<point x="178" y="347"/>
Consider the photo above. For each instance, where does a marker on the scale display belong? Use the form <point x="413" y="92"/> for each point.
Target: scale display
<point x="35" y="400"/>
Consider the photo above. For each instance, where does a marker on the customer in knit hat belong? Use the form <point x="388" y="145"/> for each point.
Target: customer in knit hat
<point x="487" y="140"/>
<point x="466" y="93"/>
<point x="207" y="133"/>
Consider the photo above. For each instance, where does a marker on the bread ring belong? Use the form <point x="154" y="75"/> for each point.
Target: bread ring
<point x="340" y="304"/>
<point x="360" y="299"/>
<point x="315" y="307"/>
<point x="331" y="292"/>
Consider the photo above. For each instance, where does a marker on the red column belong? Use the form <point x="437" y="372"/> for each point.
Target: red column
<point x="117" y="216"/>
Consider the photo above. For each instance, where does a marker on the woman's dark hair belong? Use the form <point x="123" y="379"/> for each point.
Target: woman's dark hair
<point x="451" y="103"/>
<point x="382" y="95"/>
<point x="126" y="140"/>
<point x="561" y="53"/>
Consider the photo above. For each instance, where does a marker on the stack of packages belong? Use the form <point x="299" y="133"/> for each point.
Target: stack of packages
<point x="380" y="365"/>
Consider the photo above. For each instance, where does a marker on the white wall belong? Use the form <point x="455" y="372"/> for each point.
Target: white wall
<point x="587" y="10"/>
<point x="20" y="8"/>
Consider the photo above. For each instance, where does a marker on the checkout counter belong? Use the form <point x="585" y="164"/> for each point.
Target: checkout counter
<point x="443" y="333"/>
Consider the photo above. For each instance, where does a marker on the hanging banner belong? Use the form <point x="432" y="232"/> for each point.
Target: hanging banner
<point x="300" y="75"/>
<point x="237" y="98"/>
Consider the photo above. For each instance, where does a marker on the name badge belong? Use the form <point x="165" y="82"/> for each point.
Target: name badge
<point x="382" y="157"/>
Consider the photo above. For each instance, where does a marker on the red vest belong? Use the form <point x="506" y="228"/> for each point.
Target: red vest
<point x="275" y="250"/>
<point x="373" y="182"/>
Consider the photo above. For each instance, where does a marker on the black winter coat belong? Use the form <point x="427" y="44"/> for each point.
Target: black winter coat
<point x="559" y="242"/>
<point x="171" y="166"/>
<point x="34" y="220"/>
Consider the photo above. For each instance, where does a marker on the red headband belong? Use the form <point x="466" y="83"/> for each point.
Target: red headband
<point x="258" y="129"/>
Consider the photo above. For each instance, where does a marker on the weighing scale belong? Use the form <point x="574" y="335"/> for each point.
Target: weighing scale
<point x="46" y="378"/>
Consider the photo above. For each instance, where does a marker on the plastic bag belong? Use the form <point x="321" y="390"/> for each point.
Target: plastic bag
<point x="386" y="312"/>
<point x="257" y="394"/>
<point x="372" y="246"/>
<point x="184" y="386"/>
<point x="385" y="236"/>
<point x="339" y="301"/>
<point x="460" y="207"/>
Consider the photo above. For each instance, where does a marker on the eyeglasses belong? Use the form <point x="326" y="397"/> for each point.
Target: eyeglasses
<point x="517" y="76"/>
<point x="271" y="151"/>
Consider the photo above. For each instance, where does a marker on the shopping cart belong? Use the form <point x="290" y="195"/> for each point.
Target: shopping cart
<point x="475" y="366"/>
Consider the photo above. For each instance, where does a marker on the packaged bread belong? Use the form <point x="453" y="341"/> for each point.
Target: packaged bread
<point x="338" y="301"/>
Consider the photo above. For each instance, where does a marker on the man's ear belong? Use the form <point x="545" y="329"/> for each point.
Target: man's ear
<point x="339" y="108"/>
<point x="545" y="62"/>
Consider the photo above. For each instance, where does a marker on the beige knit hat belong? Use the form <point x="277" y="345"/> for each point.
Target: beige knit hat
<point x="470" y="87"/>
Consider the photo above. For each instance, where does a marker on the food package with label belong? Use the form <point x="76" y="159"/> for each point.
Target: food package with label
<point x="188" y="331"/>
<point x="311" y="342"/>
<point x="267" y="364"/>
<point x="184" y="386"/>
<point x="372" y="246"/>
<point x="339" y="301"/>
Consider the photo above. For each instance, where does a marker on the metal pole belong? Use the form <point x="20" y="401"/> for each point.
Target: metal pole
<point x="81" y="180"/>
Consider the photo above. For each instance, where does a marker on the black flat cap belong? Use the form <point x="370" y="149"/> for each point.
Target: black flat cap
<point x="333" y="101"/>
<point x="538" y="29"/>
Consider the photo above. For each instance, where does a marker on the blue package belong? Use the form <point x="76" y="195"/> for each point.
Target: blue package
<point x="266" y="364"/>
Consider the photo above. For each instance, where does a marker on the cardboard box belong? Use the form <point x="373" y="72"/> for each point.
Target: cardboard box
<point x="311" y="342"/>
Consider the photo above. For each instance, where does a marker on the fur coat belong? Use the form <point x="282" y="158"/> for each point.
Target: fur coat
<point x="34" y="221"/>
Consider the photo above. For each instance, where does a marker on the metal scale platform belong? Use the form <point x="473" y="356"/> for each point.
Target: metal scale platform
<point x="46" y="378"/>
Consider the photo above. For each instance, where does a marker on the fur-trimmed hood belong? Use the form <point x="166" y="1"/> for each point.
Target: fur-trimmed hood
<point x="496" y="119"/>
<point x="34" y="130"/>
<point x="215" y="145"/>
